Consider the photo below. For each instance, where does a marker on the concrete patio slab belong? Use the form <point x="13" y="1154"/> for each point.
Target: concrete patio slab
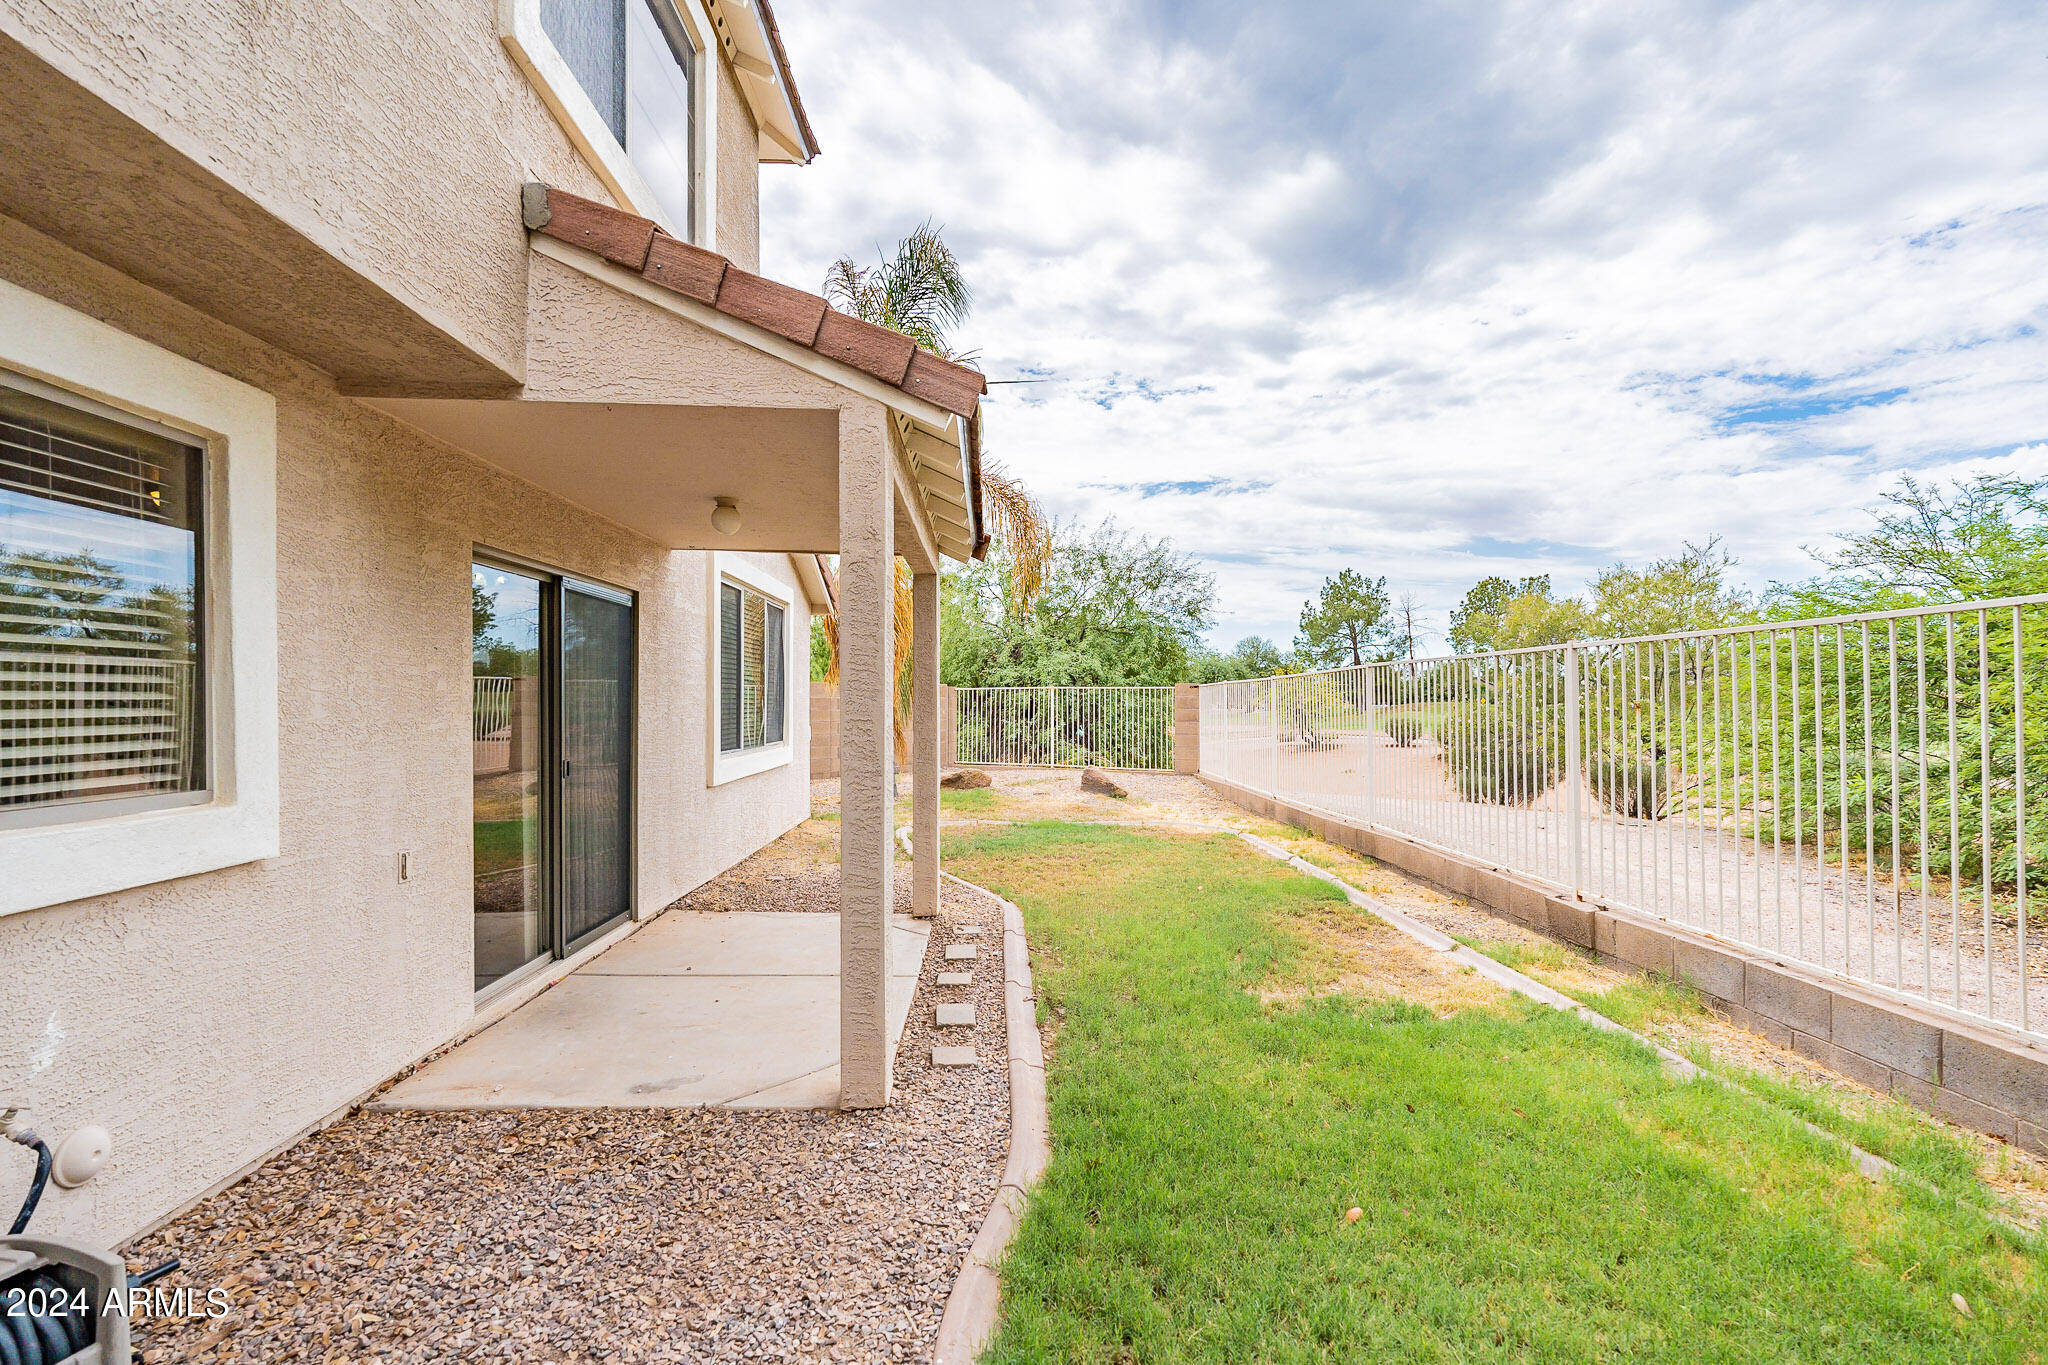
<point x="736" y="1009"/>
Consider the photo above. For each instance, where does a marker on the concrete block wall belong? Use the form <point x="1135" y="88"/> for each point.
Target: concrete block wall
<point x="1187" y="728"/>
<point x="949" y="727"/>
<point x="824" y="730"/>
<point x="1972" y="1075"/>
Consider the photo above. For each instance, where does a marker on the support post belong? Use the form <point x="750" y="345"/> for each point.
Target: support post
<point x="867" y="695"/>
<point x="1574" y="779"/>
<point x="924" y="745"/>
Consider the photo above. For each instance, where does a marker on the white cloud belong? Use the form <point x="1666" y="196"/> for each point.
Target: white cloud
<point x="1447" y="293"/>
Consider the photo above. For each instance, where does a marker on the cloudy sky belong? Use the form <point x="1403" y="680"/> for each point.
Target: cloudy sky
<point x="1441" y="291"/>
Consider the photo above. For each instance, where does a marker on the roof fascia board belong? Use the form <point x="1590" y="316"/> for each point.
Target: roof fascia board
<point x="913" y="497"/>
<point x="811" y="575"/>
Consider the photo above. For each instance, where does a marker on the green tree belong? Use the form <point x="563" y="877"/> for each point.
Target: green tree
<point x="1687" y="592"/>
<point x="1345" y="624"/>
<point x="1979" y="538"/>
<point x="1253" y="657"/>
<point x="1116" y="608"/>
<point x="1500" y="613"/>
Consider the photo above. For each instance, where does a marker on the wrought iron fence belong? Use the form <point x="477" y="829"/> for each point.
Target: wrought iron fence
<point x="490" y="723"/>
<point x="1861" y="794"/>
<point x="1065" y="727"/>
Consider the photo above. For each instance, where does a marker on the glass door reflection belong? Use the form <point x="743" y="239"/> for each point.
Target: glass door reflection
<point x="508" y="631"/>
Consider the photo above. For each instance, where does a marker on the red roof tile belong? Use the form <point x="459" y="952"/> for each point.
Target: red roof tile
<point x="634" y="242"/>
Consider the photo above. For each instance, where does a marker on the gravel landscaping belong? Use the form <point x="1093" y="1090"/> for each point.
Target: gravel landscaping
<point x="616" y="1235"/>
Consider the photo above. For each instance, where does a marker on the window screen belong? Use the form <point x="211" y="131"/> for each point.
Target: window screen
<point x="591" y="36"/>
<point x="100" y="607"/>
<point x="751" y="692"/>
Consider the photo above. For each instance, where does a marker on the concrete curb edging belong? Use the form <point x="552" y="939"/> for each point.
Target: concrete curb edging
<point x="970" y="1316"/>
<point x="1965" y="1072"/>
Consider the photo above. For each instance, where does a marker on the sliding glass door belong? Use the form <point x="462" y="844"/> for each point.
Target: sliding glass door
<point x="552" y="771"/>
<point x="597" y="758"/>
<point x="508" y="625"/>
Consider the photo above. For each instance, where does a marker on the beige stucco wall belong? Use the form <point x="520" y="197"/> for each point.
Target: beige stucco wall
<point x="207" y="1020"/>
<point x="394" y="135"/>
<point x="739" y="178"/>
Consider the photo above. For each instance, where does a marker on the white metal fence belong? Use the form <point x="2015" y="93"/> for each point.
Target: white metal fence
<point x="1065" y="727"/>
<point x="1861" y="794"/>
<point x="490" y="725"/>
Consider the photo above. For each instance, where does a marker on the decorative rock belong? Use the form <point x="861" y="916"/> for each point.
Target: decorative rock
<point x="954" y="1016"/>
<point x="1097" y="781"/>
<point x="964" y="779"/>
<point x="956" y="978"/>
<point x="953" y="1056"/>
<point x="956" y="952"/>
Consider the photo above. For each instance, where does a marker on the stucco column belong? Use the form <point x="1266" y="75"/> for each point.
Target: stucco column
<point x="924" y="744"/>
<point x="867" y="672"/>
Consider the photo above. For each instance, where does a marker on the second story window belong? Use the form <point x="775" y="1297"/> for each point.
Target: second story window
<point x="638" y="67"/>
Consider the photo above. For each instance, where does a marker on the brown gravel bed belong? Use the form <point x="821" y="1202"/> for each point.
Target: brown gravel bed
<point x="616" y="1235"/>
<point x="799" y="871"/>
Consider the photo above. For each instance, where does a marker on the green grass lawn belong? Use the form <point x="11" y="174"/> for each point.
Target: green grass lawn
<point x="1531" y="1189"/>
<point x="500" y="845"/>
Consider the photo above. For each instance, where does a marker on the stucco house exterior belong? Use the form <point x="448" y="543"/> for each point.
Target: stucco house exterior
<point x="410" y="509"/>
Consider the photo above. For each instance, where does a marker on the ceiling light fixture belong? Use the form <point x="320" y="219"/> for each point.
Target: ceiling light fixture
<point x="725" y="516"/>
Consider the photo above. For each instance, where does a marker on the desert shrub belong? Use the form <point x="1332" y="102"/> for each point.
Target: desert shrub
<point x="1504" y="763"/>
<point x="1630" y="787"/>
<point x="1404" y="730"/>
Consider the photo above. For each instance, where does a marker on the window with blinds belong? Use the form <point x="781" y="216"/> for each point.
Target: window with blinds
<point x="100" y="607"/>
<point x="751" y="689"/>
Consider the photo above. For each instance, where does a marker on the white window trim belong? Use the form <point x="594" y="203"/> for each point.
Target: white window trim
<point x="725" y="767"/>
<point x="519" y="27"/>
<point x="54" y="863"/>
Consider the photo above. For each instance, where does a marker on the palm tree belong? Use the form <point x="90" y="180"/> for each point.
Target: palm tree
<point x="922" y="294"/>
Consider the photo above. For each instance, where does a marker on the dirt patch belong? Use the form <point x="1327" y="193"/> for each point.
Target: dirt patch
<point x="1350" y="953"/>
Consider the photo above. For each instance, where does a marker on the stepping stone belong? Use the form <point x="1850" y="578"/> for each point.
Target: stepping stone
<point x="953" y="1016"/>
<point x="959" y="952"/>
<point x="953" y="1056"/>
<point x="956" y="978"/>
<point x="971" y="930"/>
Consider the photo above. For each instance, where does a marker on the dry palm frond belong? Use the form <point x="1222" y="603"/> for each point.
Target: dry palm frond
<point x="829" y="623"/>
<point x="903" y="620"/>
<point x="1014" y="518"/>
